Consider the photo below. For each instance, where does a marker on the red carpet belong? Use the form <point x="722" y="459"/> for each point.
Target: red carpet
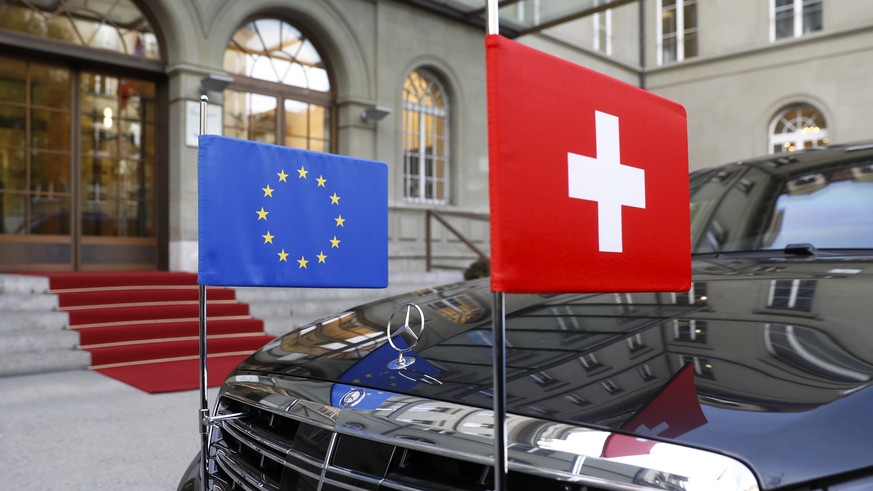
<point x="142" y="328"/>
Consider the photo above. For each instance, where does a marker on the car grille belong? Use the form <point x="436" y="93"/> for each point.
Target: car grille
<point x="280" y="433"/>
<point x="266" y="451"/>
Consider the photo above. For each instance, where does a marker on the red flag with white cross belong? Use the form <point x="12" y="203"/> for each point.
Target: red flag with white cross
<point x="672" y="412"/>
<point x="588" y="179"/>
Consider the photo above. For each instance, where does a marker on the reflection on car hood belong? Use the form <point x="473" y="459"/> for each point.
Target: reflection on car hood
<point x="777" y="358"/>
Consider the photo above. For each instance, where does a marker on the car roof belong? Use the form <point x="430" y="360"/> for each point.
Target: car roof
<point x="800" y="160"/>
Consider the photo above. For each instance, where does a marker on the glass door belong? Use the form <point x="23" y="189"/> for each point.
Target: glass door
<point x="70" y="203"/>
<point x="36" y="186"/>
<point x="116" y="190"/>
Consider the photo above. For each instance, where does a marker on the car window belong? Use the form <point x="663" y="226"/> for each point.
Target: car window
<point x="829" y="215"/>
<point x="768" y="206"/>
<point x="728" y="206"/>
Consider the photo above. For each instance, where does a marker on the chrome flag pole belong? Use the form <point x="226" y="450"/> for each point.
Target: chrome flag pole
<point x="204" y="403"/>
<point x="493" y="17"/>
<point x="498" y="335"/>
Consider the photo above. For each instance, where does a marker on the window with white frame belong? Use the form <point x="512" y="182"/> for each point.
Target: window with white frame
<point x="528" y="12"/>
<point x="577" y="399"/>
<point x="625" y="303"/>
<point x="610" y="386"/>
<point x="646" y="372"/>
<point x="791" y="294"/>
<point x="677" y="30"/>
<point x="543" y="379"/>
<point x="794" y="18"/>
<point x="425" y="139"/>
<point x="796" y="127"/>
<point x="281" y="91"/>
<point x="589" y="362"/>
<point x="690" y="330"/>
<point x="602" y="30"/>
<point x="702" y="366"/>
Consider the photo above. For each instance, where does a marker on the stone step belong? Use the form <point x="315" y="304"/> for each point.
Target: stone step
<point x="28" y="302"/>
<point x="258" y="295"/>
<point x="34" y="336"/>
<point x="34" y="340"/>
<point x="286" y="309"/>
<point x="281" y="317"/>
<point x="281" y="308"/>
<point x="306" y="300"/>
<point x="49" y="360"/>
<point x="435" y="277"/>
<point x="33" y="321"/>
<point x="22" y="283"/>
<point x="279" y="326"/>
<point x="398" y="283"/>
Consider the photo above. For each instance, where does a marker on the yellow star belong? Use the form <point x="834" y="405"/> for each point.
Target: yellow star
<point x="268" y="239"/>
<point x="334" y="242"/>
<point x="282" y="176"/>
<point x="356" y="381"/>
<point x="339" y="221"/>
<point x="262" y="215"/>
<point x="369" y="375"/>
<point x="321" y="180"/>
<point x="302" y="262"/>
<point x="268" y="191"/>
<point x="334" y="200"/>
<point x="283" y="256"/>
<point x="321" y="257"/>
<point x="302" y="172"/>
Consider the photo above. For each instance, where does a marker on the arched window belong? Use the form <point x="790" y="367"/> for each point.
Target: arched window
<point x="425" y="139"/>
<point x="114" y="25"/>
<point x="796" y="127"/>
<point x="281" y="90"/>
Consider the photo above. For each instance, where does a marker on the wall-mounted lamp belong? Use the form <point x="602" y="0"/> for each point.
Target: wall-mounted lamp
<point x="214" y="82"/>
<point x="374" y="114"/>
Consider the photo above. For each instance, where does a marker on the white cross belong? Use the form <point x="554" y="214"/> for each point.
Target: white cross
<point x="607" y="181"/>
<point x="657" y="430"/>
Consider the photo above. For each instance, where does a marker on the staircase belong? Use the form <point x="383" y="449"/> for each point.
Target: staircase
<point x="68" y="325"/>
<point x="33" y="334"/>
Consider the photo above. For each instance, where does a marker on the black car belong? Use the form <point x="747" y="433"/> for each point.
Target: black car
<point x="759" y="377"/>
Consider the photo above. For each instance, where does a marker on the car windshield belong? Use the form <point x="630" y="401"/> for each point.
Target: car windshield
<point x="770" y="204"/>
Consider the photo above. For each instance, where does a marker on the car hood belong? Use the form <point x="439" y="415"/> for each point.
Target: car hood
<point x="766" y="360"/>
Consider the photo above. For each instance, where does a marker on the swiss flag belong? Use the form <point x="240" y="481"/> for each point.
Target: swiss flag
<point x="588" y="179"/>
<point x="673" y="412"/>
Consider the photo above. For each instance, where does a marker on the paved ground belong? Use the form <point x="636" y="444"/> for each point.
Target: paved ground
<point x="80" y="430"/>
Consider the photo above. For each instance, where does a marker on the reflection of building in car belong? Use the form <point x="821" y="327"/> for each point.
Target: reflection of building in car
<point x="758" y="377"/>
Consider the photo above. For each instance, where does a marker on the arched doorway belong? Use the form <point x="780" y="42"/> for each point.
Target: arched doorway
<point x="79" y="159"/>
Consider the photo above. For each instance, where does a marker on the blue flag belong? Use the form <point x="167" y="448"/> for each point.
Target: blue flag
<point x="355" y="386"/>
<point x="279" y="216"/>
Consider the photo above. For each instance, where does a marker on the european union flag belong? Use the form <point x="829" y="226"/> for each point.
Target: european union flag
<point x="279" y="216"/>
<point x="355" y="387"/>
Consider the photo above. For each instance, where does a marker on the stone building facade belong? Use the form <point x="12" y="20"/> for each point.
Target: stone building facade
<point x="99" y="108"/>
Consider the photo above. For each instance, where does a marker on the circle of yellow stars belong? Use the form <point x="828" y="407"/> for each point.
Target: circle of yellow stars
<point x="303" y="262"/>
